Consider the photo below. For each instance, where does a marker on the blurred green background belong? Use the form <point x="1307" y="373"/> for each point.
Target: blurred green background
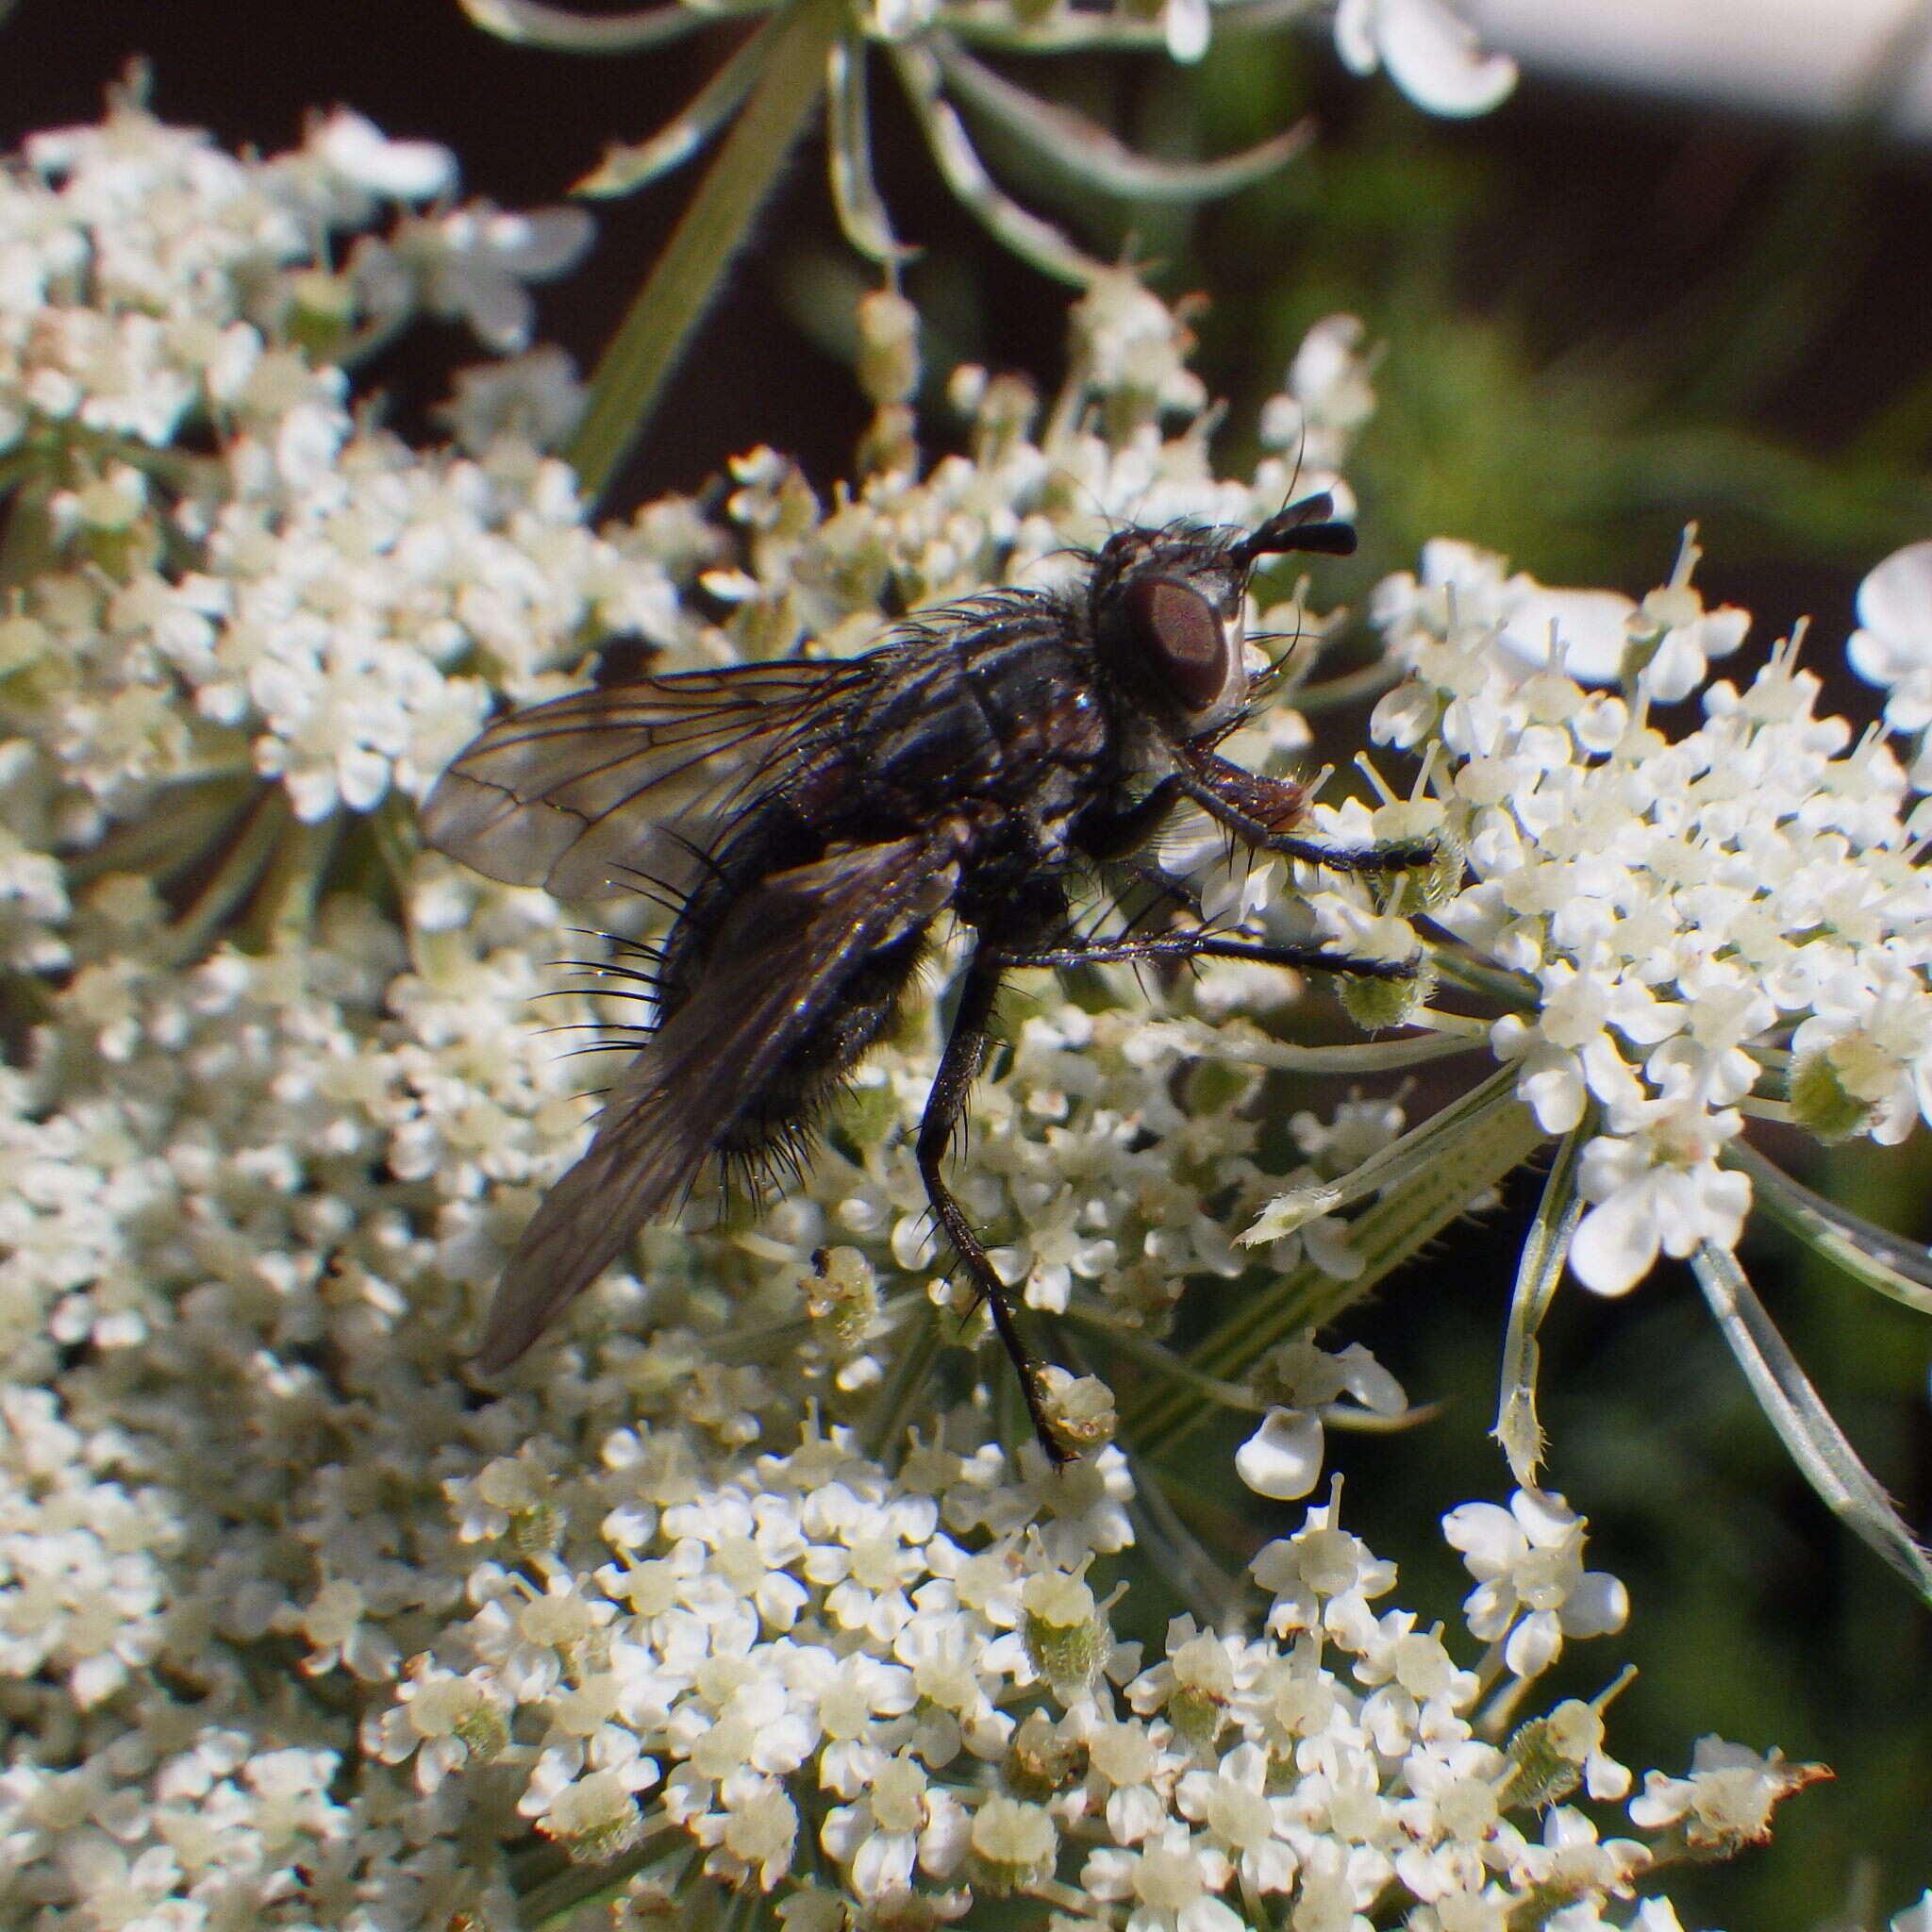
<point x="1602" y="317"/>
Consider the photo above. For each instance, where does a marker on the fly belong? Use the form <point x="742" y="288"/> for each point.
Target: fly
<point x="808" y="821"/>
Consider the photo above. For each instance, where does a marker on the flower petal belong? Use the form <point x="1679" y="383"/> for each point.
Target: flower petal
<point x="1435" y="59"/>
<point x="1283" y="1457"/>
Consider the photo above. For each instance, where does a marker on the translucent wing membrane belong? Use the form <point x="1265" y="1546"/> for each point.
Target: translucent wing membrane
<point x="606" y="790"/>
<point x="780" y="964"/>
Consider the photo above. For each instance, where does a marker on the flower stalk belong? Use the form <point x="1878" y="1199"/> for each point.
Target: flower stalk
<point x="794" y="49"/>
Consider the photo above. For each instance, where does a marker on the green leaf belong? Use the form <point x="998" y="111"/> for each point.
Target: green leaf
<point x="1085" y="151"/>
<point x="794" y="51"/>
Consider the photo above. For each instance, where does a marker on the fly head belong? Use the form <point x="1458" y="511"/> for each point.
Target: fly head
<point x="1165" y="612"/>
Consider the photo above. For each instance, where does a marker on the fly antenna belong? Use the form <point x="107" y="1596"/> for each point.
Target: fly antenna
<point x="1310" y="524"/>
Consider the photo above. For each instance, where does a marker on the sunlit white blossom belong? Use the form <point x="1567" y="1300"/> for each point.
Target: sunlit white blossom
<point x="1532" y="1589"/>
<point x="1681" y="909"/>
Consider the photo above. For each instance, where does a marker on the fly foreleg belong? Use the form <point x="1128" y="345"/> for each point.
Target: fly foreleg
<point x="1201" y="945"/>
<point x="1259" y="810"/>
<point x="944" y="1108"/>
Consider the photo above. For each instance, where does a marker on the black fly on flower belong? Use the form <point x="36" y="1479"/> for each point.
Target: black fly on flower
<point x="810" y="821"/>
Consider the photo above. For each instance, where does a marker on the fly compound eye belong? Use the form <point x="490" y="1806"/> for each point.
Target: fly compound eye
<point x="1189" y="646"/>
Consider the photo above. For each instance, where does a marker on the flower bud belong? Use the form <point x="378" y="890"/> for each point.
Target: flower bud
<point x="1420" y="888"/>
<point x="1203" y="1688"/>
<point x="1821" y="1101"/>
<point x="1039" y="1762"/>
<point x="1078" y="1411"/>
<point x="484" y="1732"/>
<point x="322" y="312"/>
<point x="888" y="347"/>
<point x="1375" y="1004"/>
<point x="1544" y="1772"/>
<point x="595" y="1818"/>
<point x="842" y="1298"/>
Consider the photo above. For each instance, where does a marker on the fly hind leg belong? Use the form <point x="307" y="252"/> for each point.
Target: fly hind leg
<point x="944" y="1108"/>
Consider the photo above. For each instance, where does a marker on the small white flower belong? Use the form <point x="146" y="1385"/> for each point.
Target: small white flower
<point x="1728" y="1797"/>
<point x="534" y="398"/>
<point x="1170" y="1880"/>
<point x="1327" y="397"/>
<point x="1232" y="1804"/>
<point x="1676" y="637"/>
<point x="1532" y="1586"/>
<point x="1585" y="635"/>
<point x="362" y="153"/>
<point x="1282" y="1460"/>
<point x="1658" y="1185"/>
<point x="1915" y="1917"/>
<point x="1893" y="646"/>
<point x="1318" y="1569"/>
<point x="1190" y="25"/>
<point x="471" y="264"/>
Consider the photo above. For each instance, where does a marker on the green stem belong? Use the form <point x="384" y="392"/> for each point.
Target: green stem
<point x="1346" y="688"/>
<point x="692" y="270"/>
<point x="577" y="1886"/>
<point x="285" y="916"/>
<point x="178" y="825"/>
<point x="234" y="882"/>
<point x="27" y="545"/>
<point x="1871" y="1255"/>
<point x="1515" y="991"/>
<point x="918" y="1347"/>
<point x="1144" y="1351"/>
<point x="1807" y="1429"/>
<point x="1490" y="1140"/>
<point x="1253" y="1048"/>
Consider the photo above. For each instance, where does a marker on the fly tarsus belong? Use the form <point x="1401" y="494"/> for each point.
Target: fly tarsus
<point x="1374" y="861"/>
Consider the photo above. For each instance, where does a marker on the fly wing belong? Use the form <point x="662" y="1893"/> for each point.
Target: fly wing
<point x="781" y="957"/>
<point x="600" y="790"/>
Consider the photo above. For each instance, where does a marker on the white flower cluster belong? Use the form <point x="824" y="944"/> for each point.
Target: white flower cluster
<point x="283" y="1114"/>
<point x="288" y="604"/>
<point x="1723" y="916"/>
<point x="913" y="1672"/>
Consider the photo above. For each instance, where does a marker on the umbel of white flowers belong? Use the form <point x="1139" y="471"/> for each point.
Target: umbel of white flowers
<point x="294" y="1628"/>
